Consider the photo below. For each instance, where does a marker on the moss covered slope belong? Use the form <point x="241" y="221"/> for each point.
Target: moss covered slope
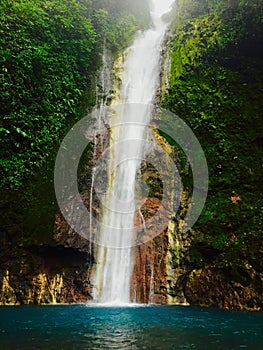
<point x="216" y="86"/>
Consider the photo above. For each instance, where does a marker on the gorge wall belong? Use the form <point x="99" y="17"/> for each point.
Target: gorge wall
<point x="214" y="74"/>
<point x="213" y="81"/>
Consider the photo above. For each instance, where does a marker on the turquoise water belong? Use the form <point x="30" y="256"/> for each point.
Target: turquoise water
<point x="149" y="327"/>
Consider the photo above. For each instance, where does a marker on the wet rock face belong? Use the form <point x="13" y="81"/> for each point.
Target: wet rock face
<point x="57" y="272"/>
<point x="160" y="268"/>
<point x="213" y="287"/>
<point x="43" y="275"/>
<point x="148" y="282"/>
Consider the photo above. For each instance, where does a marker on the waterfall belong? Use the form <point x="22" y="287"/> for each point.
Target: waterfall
<point x="140" y="81"/>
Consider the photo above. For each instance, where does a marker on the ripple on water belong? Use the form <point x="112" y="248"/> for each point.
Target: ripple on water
<point x="128" y="327"/>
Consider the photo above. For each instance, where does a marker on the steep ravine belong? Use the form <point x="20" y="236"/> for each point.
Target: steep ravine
<point x="190" y="268"/>
<point x="59" y="271"/>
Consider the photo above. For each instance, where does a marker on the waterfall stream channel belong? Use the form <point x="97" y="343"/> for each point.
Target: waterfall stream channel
<point x="140" y="79"/>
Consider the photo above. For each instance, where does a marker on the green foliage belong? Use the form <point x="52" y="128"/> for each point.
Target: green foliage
<point x="50" y="55"/>
<point x="216" y="87"/>
<point x="119" y="8"/>
<point x="46" y="50"/>
<point x="111" y="31"/>
<point x="50" y="51"/>
<point x="116" y="21"/>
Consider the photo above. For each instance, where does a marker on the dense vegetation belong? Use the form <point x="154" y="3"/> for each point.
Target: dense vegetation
<point x="49" y="54"/>
<point x="216" y="86"/>
<point x="50" y="51"/>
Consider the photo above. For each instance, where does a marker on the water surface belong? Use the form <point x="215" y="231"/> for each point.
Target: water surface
<point x="148" y="327"/>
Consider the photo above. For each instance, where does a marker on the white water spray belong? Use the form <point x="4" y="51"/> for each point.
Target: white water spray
<point x="140" y="81"/>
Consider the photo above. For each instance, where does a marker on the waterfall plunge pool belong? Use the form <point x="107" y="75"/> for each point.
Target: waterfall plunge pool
<point x="139" y="327"/>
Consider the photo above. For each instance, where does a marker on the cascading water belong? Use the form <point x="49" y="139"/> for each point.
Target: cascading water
<point x="140" y="79"/>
